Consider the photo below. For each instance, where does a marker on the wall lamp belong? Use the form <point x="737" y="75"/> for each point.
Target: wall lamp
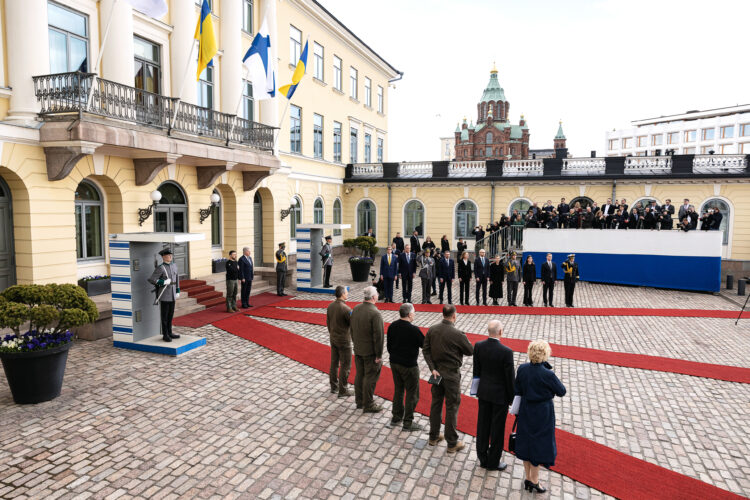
<point x="145" y="213"/>
<point x="205" y="213"/>
<point x="286" y="211"/>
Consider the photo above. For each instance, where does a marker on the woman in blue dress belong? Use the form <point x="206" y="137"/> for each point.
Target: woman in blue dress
<point x="537" y="385"/>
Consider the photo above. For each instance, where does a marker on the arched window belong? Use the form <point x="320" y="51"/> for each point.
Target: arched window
<point x="318" y="211"/>
<point x="466" y="219"/>
<point x="296" y="217"/>
<point x="723" y="206"/>
<point x="216" y="222"/>
<point x="645" y="202"/>
<point x="414" y="218"/>
<point x="171" y="194"/>
<point x="337" y="216"/>
<point x="366" y="216"/>
<point x="520" y="204"/>
<point x="89" y="223"/>
<point x="488" y="140"/>
<point x="583" y="200"/>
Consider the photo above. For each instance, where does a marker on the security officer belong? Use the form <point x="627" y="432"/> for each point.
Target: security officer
<point x="570" y="269"/>
<point x="280" y="269"/>
<point x="167" y="282"/>
<point x="326" y="253"/>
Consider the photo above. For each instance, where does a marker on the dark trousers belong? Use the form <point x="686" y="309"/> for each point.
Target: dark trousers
<point x="482" y="283"/>
<point x="406" y="282"/>
<point x="327" y="278"/>
<point x="341" y="365"/>
<point x="434" y="289"/>
<point x="446" y="283"/>
<point x="512" y="289"/>
<point x="368" y="373"/>
<point x="388" y="288"/>
<point x="490" y="433"/>
<point x="167" y="313"/>
<point x="463" y="291"/>
<point x="280" y="279"/>
<point x="231" y="295"/>
<point x="547" y="291"/>
<point x="528" y="288"/>
<point x="449" y="390"/>
<point x="570" y="286"/>
<point x="405" y="379"/>
<point x="426" y="290"/>
<point x="247" y="287"/>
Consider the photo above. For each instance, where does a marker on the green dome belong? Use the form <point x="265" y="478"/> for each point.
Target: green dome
<point x="493" y="92"/>
<point x="560" y="134"/>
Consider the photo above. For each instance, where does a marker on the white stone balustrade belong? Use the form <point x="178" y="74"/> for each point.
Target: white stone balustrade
<point x="525" y="168"/>
<point x="645" y="165"/>
<point x="719" y="164"/>
<point x="583" y="166"/>
<point x="416" y="169"/>
<point x="367" y="170"/>
<point x="467" y="169"/>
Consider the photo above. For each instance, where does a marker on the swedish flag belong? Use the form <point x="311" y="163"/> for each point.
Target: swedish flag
<point x="204" y="33"/>
<point x="299" y="72"/>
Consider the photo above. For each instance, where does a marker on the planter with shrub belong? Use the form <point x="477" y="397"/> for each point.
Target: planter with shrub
<point x="219" y="266"/>
<point x="360" y="264"/>
<point x="95" y="285"/>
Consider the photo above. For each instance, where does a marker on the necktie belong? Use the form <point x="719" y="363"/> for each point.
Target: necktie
<point x="389" y="259"/>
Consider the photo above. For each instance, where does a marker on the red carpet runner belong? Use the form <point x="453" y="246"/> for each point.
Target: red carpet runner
<point x="583" y="460"/>
<point x="629" y="360"/>
<point x="207" y="316"/>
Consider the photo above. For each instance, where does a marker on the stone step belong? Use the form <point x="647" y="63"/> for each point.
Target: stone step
<point x="181" y="310"/>
<point x="194" y="291"/>
<point x="214" y="302"/>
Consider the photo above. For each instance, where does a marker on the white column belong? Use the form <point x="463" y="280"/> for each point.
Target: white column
<point x="28" y="54"/>
<point x="117" y="61"/>
<point x="231" y="61"/>
<point x="184" y="16"/>
<point x="269" y="108"/>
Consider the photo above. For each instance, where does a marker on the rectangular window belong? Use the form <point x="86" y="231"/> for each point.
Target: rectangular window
<point x="318" y="136"/>
<point x="745" y="130"/>
<point x="337" y="142"/>
<point x="626" y="142"/>
<point x="88" y="230"/>
<point x="147" y="70"/>
<point x="727" y="149"/>
<point x="353" y="77"/>
<point x="688" y="151"/>
<point x="247" y="16"/>
<point x="247" y="110"/>
<point x="68" y="39"/>
<point x="690" y="135"/>
<point x="612" y="144"/>
<point x="657" y="140"/>
<point x="673" y="137"/>
<point x="216" y="225"/>
<point x="295" y="129"/>
<point x="727" y="132"/>
<point x="353" y="145"/>
<point x="295" y="44"/>
<point x="380" y="150"/>
<point x="744" y="148"/>
<point x="706" y="150"/>
<point x="368" y="148"/>
<point x="337" y="84"/>
<point x="368" y="92"/>
<point x="642" y="141"/>
<point x="381" y="105"/>
<point x="707" y="134"/>
<point x="319" y="61"/>
<point x="206" y="88"/>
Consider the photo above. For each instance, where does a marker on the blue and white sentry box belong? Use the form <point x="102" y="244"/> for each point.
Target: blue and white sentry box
<point x="661" y="259"/>
<point x="310" y="239"/>
<point x="135" y="319"/>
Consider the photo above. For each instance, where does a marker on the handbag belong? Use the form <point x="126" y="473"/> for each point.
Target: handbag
<point x="512" y="437"/>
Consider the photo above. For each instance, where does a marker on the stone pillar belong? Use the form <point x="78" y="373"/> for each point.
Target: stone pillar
<point x="28" y="54"/>
<point x="184" y="15"/>
<point x="117" y="61"/>
<point x="231" y="61"/>
<point x="269" y="108"/>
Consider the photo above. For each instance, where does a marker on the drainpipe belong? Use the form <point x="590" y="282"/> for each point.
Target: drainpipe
<point x="492" y="203"/>
<point x="389" y="210"/>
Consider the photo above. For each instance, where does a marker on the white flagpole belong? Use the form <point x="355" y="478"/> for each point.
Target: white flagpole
<point x="101" y="53"/>
<point x="283" y="115"/>
<point x="239" y="102"/>
<point x="182" y="85"/>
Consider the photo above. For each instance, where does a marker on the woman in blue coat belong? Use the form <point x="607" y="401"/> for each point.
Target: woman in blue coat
<point x="537" y="385"/>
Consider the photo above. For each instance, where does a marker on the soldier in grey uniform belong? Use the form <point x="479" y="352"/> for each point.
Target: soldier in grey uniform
<point x="167" y="282"/>
<point x="280" y="269"/>
<point x="426" y="273"/>
<point x="326" y="254"/>
<point x="513" y="276"/>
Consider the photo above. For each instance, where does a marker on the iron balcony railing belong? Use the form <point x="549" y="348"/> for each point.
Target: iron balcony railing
<point x="501" y="242"/>
<point x="65" y="93"/>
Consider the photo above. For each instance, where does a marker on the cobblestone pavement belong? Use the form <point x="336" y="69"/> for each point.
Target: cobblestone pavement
<point x="236" y="420"/>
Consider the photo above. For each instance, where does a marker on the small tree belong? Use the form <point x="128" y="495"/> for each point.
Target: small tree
<point x="47" y="308"/>
<point x="366" y="244"/>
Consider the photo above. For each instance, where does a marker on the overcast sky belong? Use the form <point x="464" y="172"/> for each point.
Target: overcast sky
<point x="597" y="64"/>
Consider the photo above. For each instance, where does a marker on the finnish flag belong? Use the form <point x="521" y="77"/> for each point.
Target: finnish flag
<point x="259" y="65"/>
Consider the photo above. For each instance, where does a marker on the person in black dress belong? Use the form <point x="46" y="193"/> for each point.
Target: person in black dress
<point x="445" y="245"/>
<point x="497" y="276"/>
<point x="464" y="278"/>
<point x="529" y="276"/>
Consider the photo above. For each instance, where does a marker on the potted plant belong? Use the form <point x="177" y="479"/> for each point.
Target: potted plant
<point x="95" y="285"/>
<point x="360" y="264"/>
<point x="219" y="265"/>
<point x="34" y="361"/>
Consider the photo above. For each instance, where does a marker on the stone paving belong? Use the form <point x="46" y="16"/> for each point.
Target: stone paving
<point x="235" y="420"/>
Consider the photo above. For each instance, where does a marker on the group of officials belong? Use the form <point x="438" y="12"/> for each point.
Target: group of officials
<point x="444" y="347"/>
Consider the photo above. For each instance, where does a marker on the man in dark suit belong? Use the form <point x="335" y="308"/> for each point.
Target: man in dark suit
<point x="399" y="241"/>
<point x="404" y="341"/>
<point x="682" y="213"/>
<point x="464" y="278"/>
<point x="716" y="220"/>
<point x="549" y="275"/>
<point x="446" y="271"/>
<point x="407" y="267"/>
<point x="246" y="277"/>
<point x="370" y="233"/>
<point x="493" y="365"/>
<point x="482" y="274"/>
<point x="563" y="209"/>
<point x="608" y="209"/>
<point x="388" y="272"/>
<point x="416" y="246"/>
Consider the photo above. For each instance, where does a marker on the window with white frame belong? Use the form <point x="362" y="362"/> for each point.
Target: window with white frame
<point x="745" y="130"/>
<point x="247" y="110"/>
<point x="296" y="217"/>
<point x="368" y="148"/>
<point x="295" y="44"/>
<point x="319" y="61"/>
<point x="657" y="140"/>
<point x="642" y="141"/>
<point x="380" y="150"/>
<point x="337" y="216"/>
<point x="89" y="222"/>
<point x="337" y="83"/>
<point x="380" y="100"/>
<point x="613" y="144"/>
<point x="318" y="211"/>
<point x="466" y="219"/>
<point x="353" y="79"/>
<point x="317" y="136"/>
<point x="627" y="142"/>
<point x="366" y="217"/>
<point x="68" y="39"/>
<point x="337" y="142"/>
<point x="247" y="16"/>
<point x="295" y="129"/>
<point x="368" y="92"/>
<point x="353" y="145"/>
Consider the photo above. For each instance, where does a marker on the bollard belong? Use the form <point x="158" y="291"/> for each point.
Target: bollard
<point x="741" y="287"/>
<point x="730" y="281"/>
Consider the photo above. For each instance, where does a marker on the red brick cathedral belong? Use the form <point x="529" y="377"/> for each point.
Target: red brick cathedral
<point x="494" y="137"/>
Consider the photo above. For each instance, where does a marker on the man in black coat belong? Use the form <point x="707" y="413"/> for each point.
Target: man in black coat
<point x="446" y="271"/>
<point x="416" y="246"/>
<point x="403" y="342"/>
<point x="246" y="277"/>
<point x="716" y="220"/>
<point x="563" y="209"/>
<point x="399" y="241"/>
<point x="493" y="365"/>
<point x="482" y="274"/>
<point x="464" y="278"/>
<point x="549" y="275"/>
<point x="407" y="267"/>
<point x="478" y="233"/>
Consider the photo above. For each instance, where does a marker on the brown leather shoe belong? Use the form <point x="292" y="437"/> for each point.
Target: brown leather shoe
<point x="433" y="442"/>
<point x="456" y="447"/>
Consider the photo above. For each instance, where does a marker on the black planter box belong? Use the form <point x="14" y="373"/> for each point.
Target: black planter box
<point x="360" y="270"/>
<point x="96" y="287"/>
<point x="218" y="266"/>
<point x="37" y="376"/>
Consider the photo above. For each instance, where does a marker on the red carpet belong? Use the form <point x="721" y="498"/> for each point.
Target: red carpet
<point x="583" y="460"/>
<point x="629" y="360"/>
<point x="207" y="316"/>
<point x="541" y="311"/>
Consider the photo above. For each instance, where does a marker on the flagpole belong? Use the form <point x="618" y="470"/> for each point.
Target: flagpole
<point x="101" y="53"/>
<point x="283" y="115"/>
<point x="182" y="85"/>
<point x="239" y="102"/>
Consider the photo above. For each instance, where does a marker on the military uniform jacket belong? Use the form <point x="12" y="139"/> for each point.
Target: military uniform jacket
<point x="281" y="260"/>
<point x="427" y="265"/>
<point x="512" y="270"/>
<point x="326" y="253"/>
<point x="445" y="346"/>
<point x="338" y="319"/>
<point x="570" y="270"/>
<point x="367" y="330"/>
<point x="166" y="271"/>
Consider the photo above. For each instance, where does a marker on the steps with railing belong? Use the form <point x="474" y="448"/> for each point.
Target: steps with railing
<point x="509" y="238"/>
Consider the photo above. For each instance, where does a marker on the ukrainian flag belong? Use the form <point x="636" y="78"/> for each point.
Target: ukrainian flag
<point x="299" y="72"/>
<point x="204" y="33"/>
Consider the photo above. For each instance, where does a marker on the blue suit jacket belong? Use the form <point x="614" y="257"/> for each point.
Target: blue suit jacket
<point x="480" y="271"/>
<point x="410" y="268"/>
<point x="387" y="271"/>
<point x="246" y="268"/>
<point x="446" y="270"/>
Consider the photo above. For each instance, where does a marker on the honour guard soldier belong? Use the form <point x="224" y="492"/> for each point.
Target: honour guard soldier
<point x="167" y="282"/>
<point x="280" y="269"/>
<point x="570" y="268"/>
<point x="326" y="254"/>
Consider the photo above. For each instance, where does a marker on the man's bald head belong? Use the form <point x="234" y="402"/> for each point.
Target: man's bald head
<point x="495" y="329"/>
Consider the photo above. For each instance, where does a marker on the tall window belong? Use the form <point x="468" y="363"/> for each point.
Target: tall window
<point x="673" y="137"/>
<point x="68" y="39"/>
<point x="414" y="219"/>
<point x="745" y="130"/>
<point x="337" y="142"/>
<point x="89" y="224"/>
<point x="318" y="136"/>
<point x="216" y="222"/>
<point x="318" y="211"/>
<point x="368" y="92"/>
<point x="380" y="150"/>
<point x="488" y="138"/>
<point x="690" y="135"/>
<point x="522" y="206"/>
<point x="295" y="44"/>
<point x="727" y="132"/>
<point x="466" y="219"/>
<point x="724" y="208"/>
<point x="353" y="77"/>
<point x="206" y="88"/>
<point x="627" y="142"/>
<point x="295" y="129"/>
<point x="147" y="65"/>
<point x="612" y="144"/>
<point x="337" y="216"/>
<point x="657" y="140"/>
<point x="247" y="110"/>
<point x="337" y="83"/>
<point x="366" y="217"/>
<point x="247" y="16"/>
<point x="380" y="99"/>
<point x="319" y="61"/>
<point x="707" y="134"/>
<point x="368" y="148"/>
<point x="642" y="141"/>
<point x="353" y="145"/>
<point x="296" y="218"/>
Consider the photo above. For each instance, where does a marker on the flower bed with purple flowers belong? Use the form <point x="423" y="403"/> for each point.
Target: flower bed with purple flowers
<point x="34" y="341"/>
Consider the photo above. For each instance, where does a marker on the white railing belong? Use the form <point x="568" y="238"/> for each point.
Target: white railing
<point x="516" y="168"/>
<point x="415" y="169"/>
<point x="367" y="170"/>
<point x="583" y="166"/>
<point x="719" y="164"/>
<point x="467" y="169"/>
<point x="644" y="165"/>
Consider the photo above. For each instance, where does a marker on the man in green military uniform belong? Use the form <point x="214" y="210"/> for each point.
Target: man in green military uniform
<point x="367" y="335"/>
<point x="570" y="268"/>
<point x="280" y="269"/>
<point x="443" y="350"/>
<point x="338" y="318"/>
